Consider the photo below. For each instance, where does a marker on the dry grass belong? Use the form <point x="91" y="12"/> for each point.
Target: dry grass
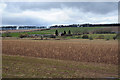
<point x="32" y="67"/>
<point x="98" y="51"/>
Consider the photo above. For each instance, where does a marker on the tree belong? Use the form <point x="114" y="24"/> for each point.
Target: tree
<point x="64" y="32"/>
<point x="69" y="32"/>
<point x="56" y="32"/>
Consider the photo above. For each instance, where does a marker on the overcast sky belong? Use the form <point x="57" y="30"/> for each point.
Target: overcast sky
<point x="51" y="13"/>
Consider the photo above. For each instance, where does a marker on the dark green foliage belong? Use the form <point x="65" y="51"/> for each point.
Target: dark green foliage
<point x="85" y="37"/>
<point x="69" y="32"/>
<point x="114" y="37"/>
<point x="64" y="32"/>
<point x="56" y="32"/>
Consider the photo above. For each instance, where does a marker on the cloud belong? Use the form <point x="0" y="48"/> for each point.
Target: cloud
<point x="59" y="13"/>
<point x="95" y="7"/>
<point x="2" y="7"/>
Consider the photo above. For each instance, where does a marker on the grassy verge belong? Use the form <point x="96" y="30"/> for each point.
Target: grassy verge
<point x="23" y="67"/>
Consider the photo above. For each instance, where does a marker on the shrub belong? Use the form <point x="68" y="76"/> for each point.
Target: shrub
<point x="23" y="35"/>
<point x="107" y="39"/>
<point x="85" y="37"/>
<point x="52" y="36"/>
<point x="114" y="37"/>
<point x="90" y="38"/>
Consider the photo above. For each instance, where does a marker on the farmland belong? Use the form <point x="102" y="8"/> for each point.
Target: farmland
<point x="76" y="50"/>
<point x="52" y="31"/>
<point x="62" y="56"/>
<point x="31" y="67"/>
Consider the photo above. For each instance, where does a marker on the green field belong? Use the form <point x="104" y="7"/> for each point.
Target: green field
<point x="106" y="36"/>
<point x="30" y="67"/>
<point x="52" y="31"/>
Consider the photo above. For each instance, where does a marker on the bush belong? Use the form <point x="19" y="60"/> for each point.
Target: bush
<point x="90" y="38"/>
<point x="23" y="35"/>
<point x="100" y="37"/>
<point x="107" y="39"/>
<point x="85" y="37"/>
<point x="52" y="36"/>
<point x="114" y="37"/>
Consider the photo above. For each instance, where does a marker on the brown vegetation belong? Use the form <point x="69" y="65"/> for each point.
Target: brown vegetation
<point x="80" y="50"/>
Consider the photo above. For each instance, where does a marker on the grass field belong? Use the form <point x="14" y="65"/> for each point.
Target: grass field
<point x="30" y="67"/>
<point x="94" y="36"/>
<point x="52" y="31"/>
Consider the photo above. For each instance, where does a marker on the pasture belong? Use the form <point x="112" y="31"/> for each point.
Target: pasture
<point x="86" y="58"/>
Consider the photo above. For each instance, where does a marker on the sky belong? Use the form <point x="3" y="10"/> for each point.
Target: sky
<point x="52" y="13"/>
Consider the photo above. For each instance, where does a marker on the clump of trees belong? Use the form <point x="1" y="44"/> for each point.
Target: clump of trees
<point x="64" y="33"/>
